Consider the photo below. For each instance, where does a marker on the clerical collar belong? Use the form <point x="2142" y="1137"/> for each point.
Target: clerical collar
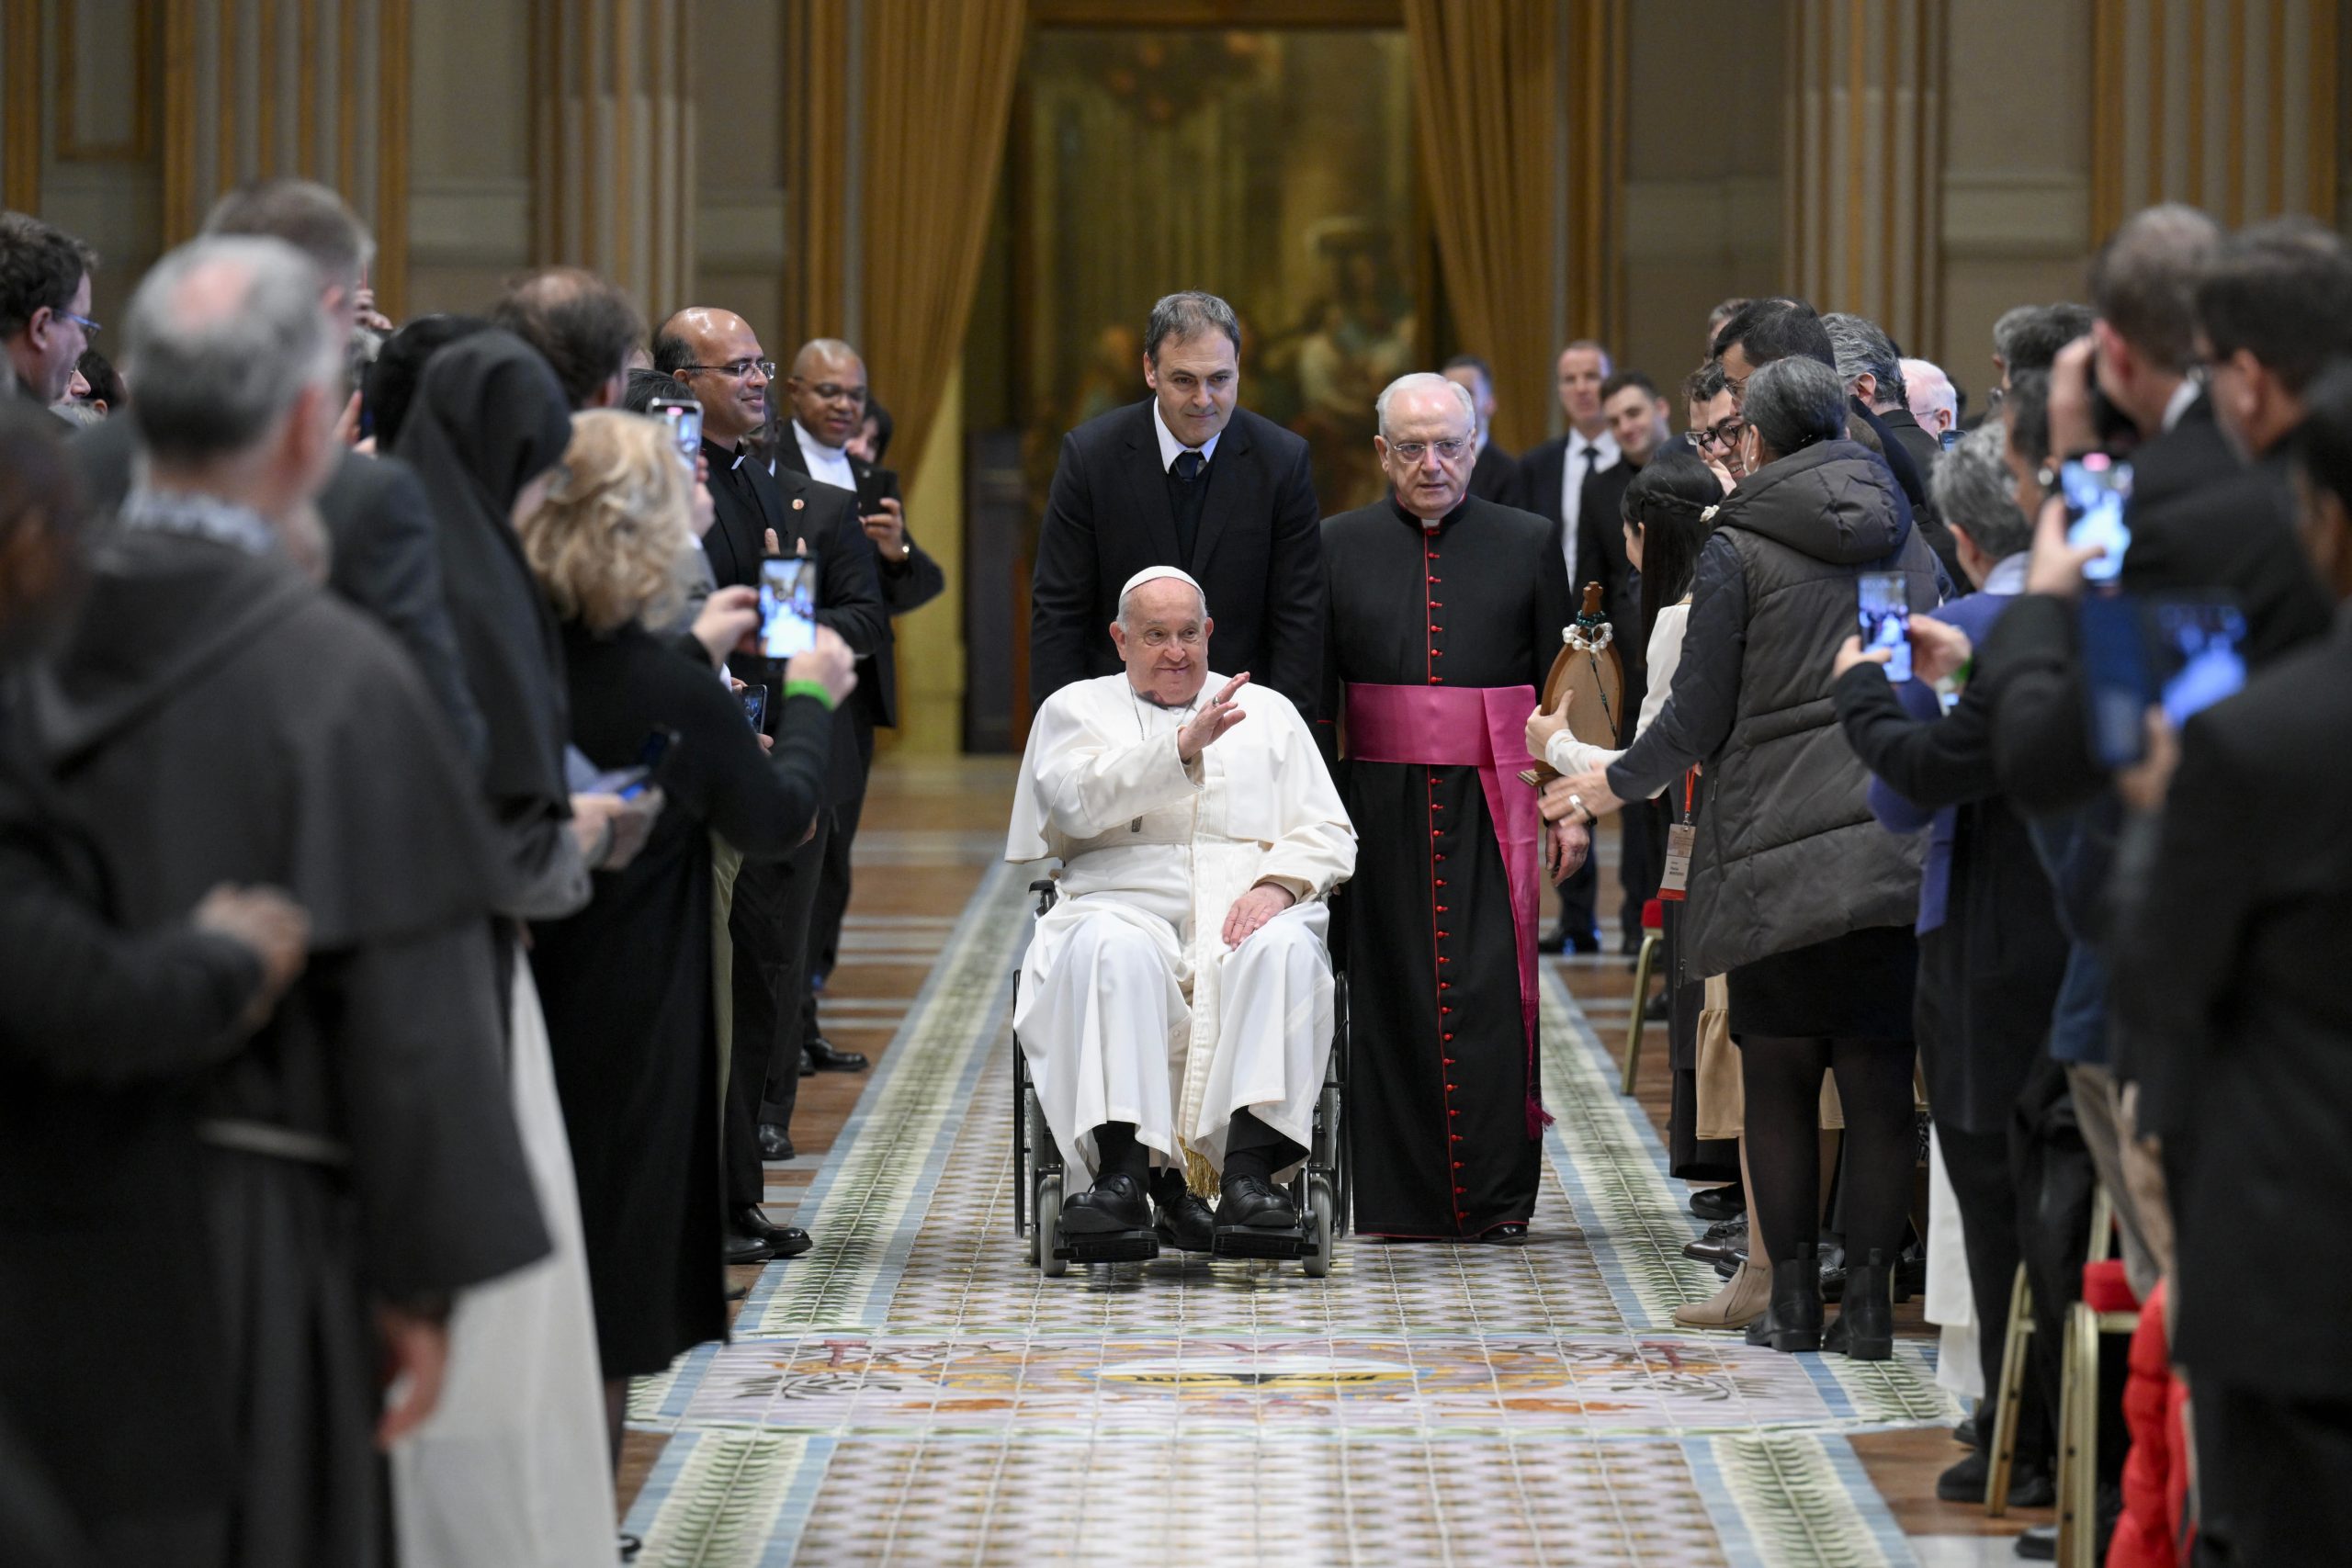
<point x="202" y="516"/>
<point x="1185" y="707"/>
<point x="827" y="465"/>
<point x="1425" y="524"/>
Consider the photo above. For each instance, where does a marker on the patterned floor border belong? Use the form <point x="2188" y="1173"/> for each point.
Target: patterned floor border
<point x="727" y="1496"/>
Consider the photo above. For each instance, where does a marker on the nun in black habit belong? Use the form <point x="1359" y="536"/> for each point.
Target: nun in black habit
<point x="511" y="1469"/>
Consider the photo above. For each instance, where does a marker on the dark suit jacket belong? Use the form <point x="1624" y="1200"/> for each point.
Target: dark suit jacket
<point x="2233" y="976"/>
<point x="2214" y="526"/>
<point x="747" y="500"/>
<point x="1924" y="449"/>
<point x="385" y="557"/>
<point x="1600" y="557"/>
<point x="906" y="585"/>
<point x="1600" y="541"/>
<point x="1259" y="556"/>
<point x="1495" y="477"/>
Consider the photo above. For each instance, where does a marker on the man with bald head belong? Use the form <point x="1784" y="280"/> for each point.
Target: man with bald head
<point x="1176" y="1001"/>
<point x="827" y="397"/>
<point x="716" y="356"/>
<point x="1445" y="613"/>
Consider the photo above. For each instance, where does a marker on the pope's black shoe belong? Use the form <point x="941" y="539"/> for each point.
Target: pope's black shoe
<point x="825" y="1059"/>
<point x="1183" y="1217"/>
<point x="1113" y="1204"/>
<point x="1255" y="1204"/>
<point x="750" y="1220"/>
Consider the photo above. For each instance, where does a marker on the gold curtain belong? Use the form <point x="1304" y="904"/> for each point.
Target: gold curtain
<point x="939" y="83"/>
<point x="1485" y="97"/>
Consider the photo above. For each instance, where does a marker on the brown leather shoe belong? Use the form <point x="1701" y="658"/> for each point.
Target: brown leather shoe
<point x="1740" y="1302"/>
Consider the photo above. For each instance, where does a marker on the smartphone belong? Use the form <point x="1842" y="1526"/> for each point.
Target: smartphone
<point x="652" y="762"/>
<point x="2117" y="680"/>
<point x="1886" y="619"/>
<point x="755" y="705"/>
<point x="787" y="605"/>
<point x="684" y="416"/>
<point x="2098" y="487"/>
<point x="2199" y="646"/>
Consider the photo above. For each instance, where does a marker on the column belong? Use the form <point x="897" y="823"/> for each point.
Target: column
<point x="1864" y="160"/>
<point x="614" y="144"/>
<point x="2227" y="105"/>
<point x="260" y="89"/>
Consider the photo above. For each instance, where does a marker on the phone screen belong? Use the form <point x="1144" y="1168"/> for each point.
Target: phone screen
<point x="1886" y="619"/>
<point x="2097" y="488"/>
<point x="2201" y="644"/>
<point x="755" y="705"/>
<point x="2116" y="677"/>
<point x="787" y="605"/>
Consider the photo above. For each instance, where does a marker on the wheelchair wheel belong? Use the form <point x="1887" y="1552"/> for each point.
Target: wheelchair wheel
<point x="1049" y="1231"/>
<point x="1322" y="1225"/>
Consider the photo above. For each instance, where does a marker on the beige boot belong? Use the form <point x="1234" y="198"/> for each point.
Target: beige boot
<point x="1740" y="1302"/>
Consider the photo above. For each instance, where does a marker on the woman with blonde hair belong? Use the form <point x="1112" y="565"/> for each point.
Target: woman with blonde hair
<point x="627" y="982"/>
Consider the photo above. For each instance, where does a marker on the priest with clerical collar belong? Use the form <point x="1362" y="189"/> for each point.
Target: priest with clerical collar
<point x="1445" y="614"/>
<point x="1177" y="1002"/>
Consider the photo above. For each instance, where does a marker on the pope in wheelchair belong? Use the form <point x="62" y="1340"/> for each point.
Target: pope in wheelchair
<point x="1176" y="1003"/>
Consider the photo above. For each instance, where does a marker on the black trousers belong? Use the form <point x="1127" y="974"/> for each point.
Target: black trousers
<point x="1983" y="1168"/>
<point x="833" y="875"/>
<point x="769" y="923"/>
<point x="2271" y="1475"/>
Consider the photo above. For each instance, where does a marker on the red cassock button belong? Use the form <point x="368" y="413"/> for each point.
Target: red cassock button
<point x="1455" y="1136"/>
<point x="1462" y="1189"/>
<point x="1450" y="1111"/>
<point x="1447" y="1060"/>
<point x="1458" y="1165"/>
<point x="1448" y="1089"/>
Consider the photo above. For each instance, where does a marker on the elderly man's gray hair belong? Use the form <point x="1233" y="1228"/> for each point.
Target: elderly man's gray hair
<point x="1972" y="492"/>
<point x="1862" y="349"/>
<point x="1795" y="402"/>
<point x="1925" y="383"/>
<point x="224" y="334"/>
<point x="1185" y="315"/>
<point x="1126" y="617"/>
<point x="1425" y="381"/>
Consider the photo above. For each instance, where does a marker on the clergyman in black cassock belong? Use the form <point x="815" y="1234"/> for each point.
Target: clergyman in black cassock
<point x="362" y="1146"/>
<point x="1442" y="1088"/>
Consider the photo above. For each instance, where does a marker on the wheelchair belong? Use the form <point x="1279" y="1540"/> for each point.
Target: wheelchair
<point x="1319" y="1192"/>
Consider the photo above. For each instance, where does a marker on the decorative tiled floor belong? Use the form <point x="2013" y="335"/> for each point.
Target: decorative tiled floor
<point x="914" y="1392"/>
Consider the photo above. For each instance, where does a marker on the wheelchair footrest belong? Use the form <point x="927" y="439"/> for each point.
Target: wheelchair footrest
<point x="1247" y="1241"/>
<point x="1109" y="1247"/>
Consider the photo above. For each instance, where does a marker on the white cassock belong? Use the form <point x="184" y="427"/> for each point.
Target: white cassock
<point x="1132" y="1007"/>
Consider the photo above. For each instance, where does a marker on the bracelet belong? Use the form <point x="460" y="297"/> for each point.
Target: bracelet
<point x="809" y="689"/>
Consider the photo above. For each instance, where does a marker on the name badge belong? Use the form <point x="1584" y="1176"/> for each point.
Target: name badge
<point x="1680" y="838"/>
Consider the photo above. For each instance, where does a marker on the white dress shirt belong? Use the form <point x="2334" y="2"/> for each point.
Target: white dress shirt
<point x="1170" y="447"/>
<point x="1605" y="455"/>
<point x="828" y="465"/>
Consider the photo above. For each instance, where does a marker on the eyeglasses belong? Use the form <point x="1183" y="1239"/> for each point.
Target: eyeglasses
<point x="829" y="394"/>
<point x="739" y="369"/>
<point x="90" y="328"/>
<point x="1447" y="451"/>
<point x="1721" y="437"/>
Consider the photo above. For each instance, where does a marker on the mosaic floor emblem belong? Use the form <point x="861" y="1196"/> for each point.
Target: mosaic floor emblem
<point x="913" y="1392"/>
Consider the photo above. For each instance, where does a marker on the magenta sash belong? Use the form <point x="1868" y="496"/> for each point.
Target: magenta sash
<point x="1471" y="727"/>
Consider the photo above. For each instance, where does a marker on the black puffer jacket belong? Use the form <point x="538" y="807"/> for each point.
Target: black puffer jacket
<point x="1787" y="855"/>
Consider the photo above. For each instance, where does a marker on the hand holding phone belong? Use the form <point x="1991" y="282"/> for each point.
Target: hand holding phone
<point x="1885" y="613"/>
<point x="787" y="605"/>
<point x="755" y="705"/>
<point x="2097" y="488"/>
